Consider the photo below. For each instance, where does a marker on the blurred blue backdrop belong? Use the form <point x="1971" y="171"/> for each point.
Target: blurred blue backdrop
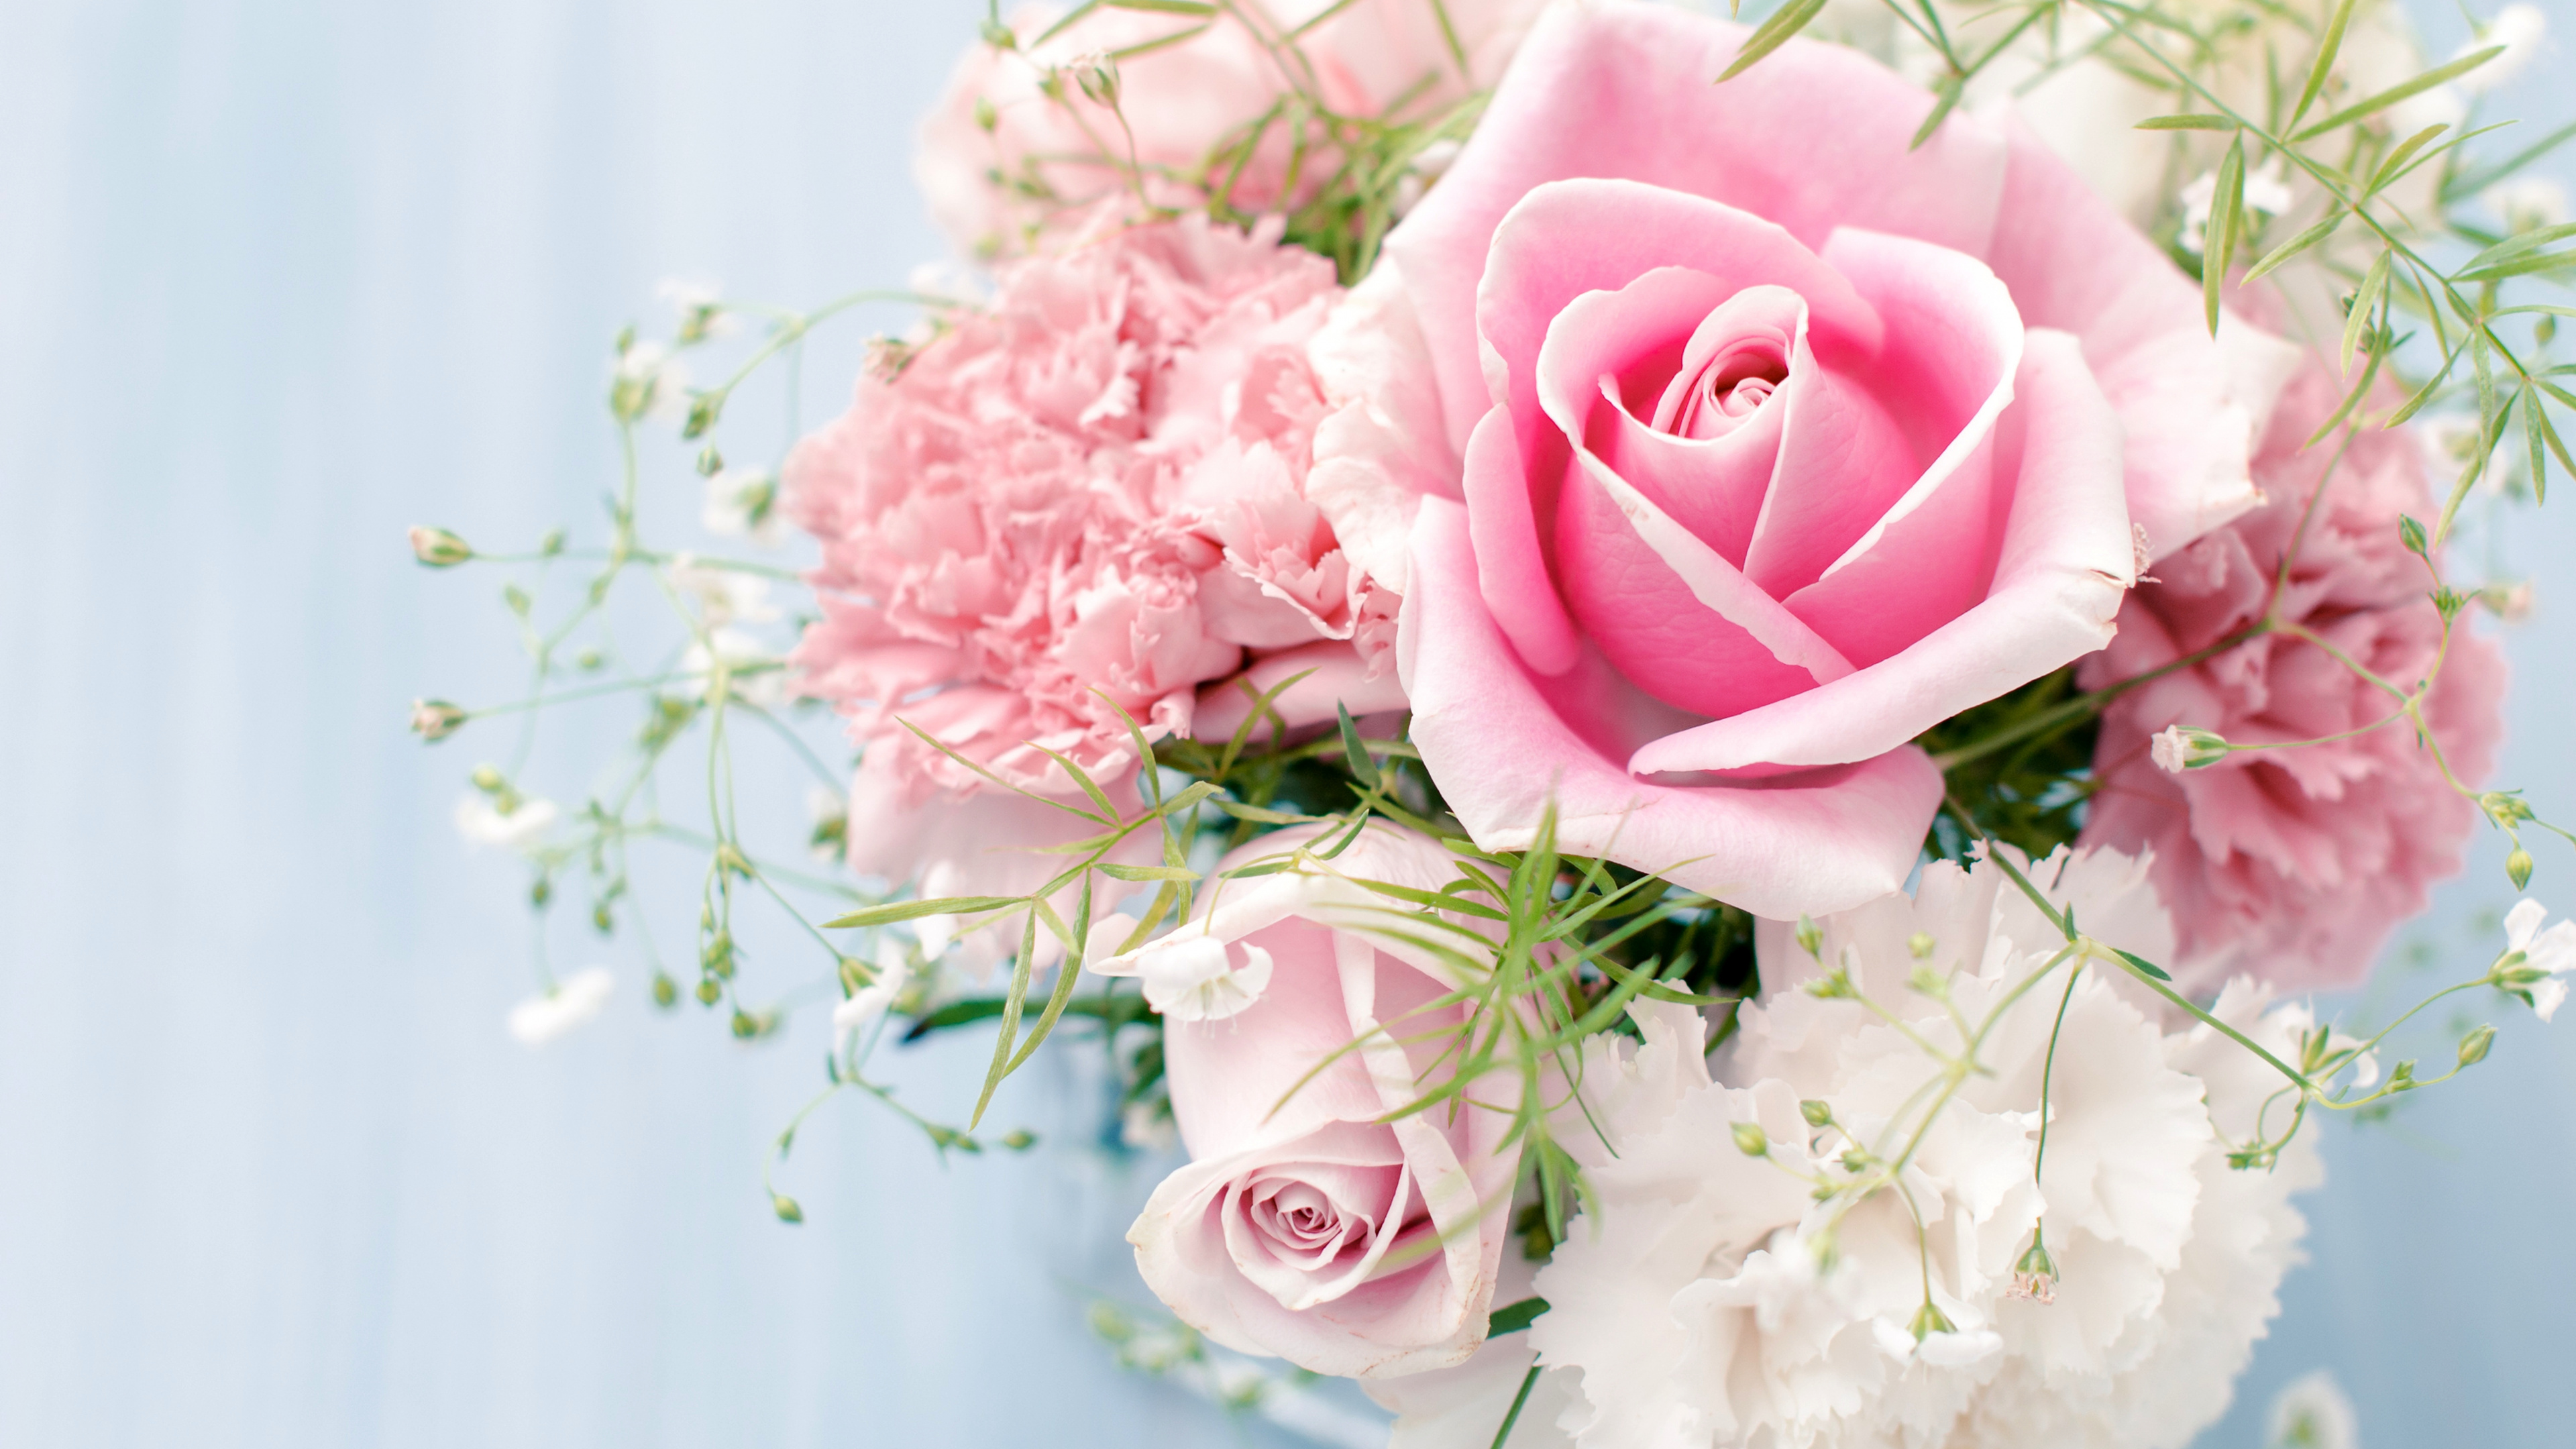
<point x="281" y="278"/>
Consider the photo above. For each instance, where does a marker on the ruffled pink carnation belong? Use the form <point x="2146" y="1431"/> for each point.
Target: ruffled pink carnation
<point x="1002" y="160"/>
<point x="2295" y="865"/>
<point x="1082" y="499"/>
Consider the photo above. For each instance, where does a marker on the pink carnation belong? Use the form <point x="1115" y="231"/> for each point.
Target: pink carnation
<point x="2296" y="865"/>
<point x="1083" y="499"/>
<point x="1190" y="109"/>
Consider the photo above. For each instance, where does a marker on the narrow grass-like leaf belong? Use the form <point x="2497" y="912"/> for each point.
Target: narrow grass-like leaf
<point x="2520" y="265"/>
<point x="1947" y="98"/>
<point x="2531" y="421"/>
<point x="2522" y="242"/>
<point x="2143" y="964"/>
<point x="2351" y="400"/>
<point x="2327" y="49"/>
<point x="1165" y="7"/>
<point x="1773" y="33"/>
<point x="2373" y="105"/>
<point x="1071" y="18"/>
<point x="2218" y="235"/>
<point x="888" y="915"/>
<point x="2295" y="245"/>
<point x="1116" y="871"/>
<point x="2364" y="302"/>
<point x="2195" y="121"/>
<point x="1082" y="777"/>
<point x="2470" y="183"/>
<point x="1355" y="754"/>
<point x="2390" y="169"/>
<point x="2557" y="449"/>
<point x="1262" y="815"/>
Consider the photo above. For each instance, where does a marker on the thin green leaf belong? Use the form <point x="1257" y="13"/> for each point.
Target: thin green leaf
<point x="2143" y="964"/>
<point x="1946" y="99"/>
<point x="1116" y="871"/>
<point x="2372" y="105"/>
<point x="1260" y="815"/>
<point x="1161" y="42"/>
<point x="1012" y="1003"/>
<point x="1082" y="777"/>
<point x="2472" y="182"/>
<point x="1773" y="33"/>
<point x="1439" y="900"/>
<point x="1165" y="7"/>
<point x="2364" y="302"/>
<point x="1513" y="1317"/>
<point x="1068" y="973"/>
<point x="2195" y="121"/>
<point x="2557" y="449"/>
<point x="2218" y="235"/>
<point x="888" y="915"/>
<point x="2519" y="266"/>
<point x="2296" y="245"/>
<point x="2515" y="245"/>
<point x="2390" y="169"/>
<point x="1355" y="754"/>
<point x="1071" y="18"/>
<point x="2531" y="439"/>
<point x="2327" y="49"/>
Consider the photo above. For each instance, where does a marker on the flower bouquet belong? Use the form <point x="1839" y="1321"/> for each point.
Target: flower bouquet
<point x="1688" y="696"/>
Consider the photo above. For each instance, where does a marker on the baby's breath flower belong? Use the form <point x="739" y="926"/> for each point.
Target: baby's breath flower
<point x="560" y="1008"/>
<point x="743" y="501"/>
<point x="504" y="819"/>
<point x="2266" y="191"/>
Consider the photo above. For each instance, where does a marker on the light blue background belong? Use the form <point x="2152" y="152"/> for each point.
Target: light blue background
<point x="279" y="279"/>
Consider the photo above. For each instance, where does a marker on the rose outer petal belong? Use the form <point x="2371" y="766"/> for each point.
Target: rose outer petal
<point x="1624" y="91"/>
<point x="1822" y="842"/>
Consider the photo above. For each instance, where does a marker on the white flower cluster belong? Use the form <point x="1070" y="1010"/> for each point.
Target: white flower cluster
<point x="1715" y="1293"/>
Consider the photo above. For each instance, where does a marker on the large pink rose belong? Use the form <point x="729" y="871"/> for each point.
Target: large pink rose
<point x="2295" y="865"/>
<point x="1004" y="161"/>
<point x="1779" y="443"/>
<point x="1304" y="1226"/>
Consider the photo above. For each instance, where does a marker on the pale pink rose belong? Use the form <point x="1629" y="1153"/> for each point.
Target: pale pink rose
<point x="1082" y="499"/>
<point x="2295" y="865"/>
<point x="1303" y="1226"/>
<point x="1778" y="443"/>
<point x="1198" y="112"/>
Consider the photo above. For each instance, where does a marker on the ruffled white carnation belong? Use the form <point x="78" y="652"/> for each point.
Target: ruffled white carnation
<point x="1708" y="1298"/>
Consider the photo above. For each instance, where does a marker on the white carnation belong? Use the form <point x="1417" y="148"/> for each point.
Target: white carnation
<point x="1708" y="1298"/>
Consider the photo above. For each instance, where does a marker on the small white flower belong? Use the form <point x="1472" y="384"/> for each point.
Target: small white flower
<point x="2527" y="203"/>
<point x="1190" y="978"/>
<point x="766" y="689"/>
<point x="725" y="596"/>
<point x="856" y="1014"/>
<point x="2519" y="29"/>
<point x="576" y="999"/>
<point x="2546" y="955"/>
<point x="2266" y="191"/>
<point x="2312" y="1413"/>
<point x="743" y="501"/>
<point x="649" y="383"/>
<point x="2365" y="1071"/>
<point x="516" y="825"/>
<point x="700" y="305"/>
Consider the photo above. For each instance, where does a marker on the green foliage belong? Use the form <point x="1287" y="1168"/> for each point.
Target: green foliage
<point x="2020" y="767"/>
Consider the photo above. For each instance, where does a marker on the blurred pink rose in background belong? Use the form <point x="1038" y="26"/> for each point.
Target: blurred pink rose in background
<point x="1081" y="499"/>
<point x="2295" y="865"/>
<point x="1003" y="161"/>
<point x="1304" y="1226"/>
<point x="1779" y="443"/>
